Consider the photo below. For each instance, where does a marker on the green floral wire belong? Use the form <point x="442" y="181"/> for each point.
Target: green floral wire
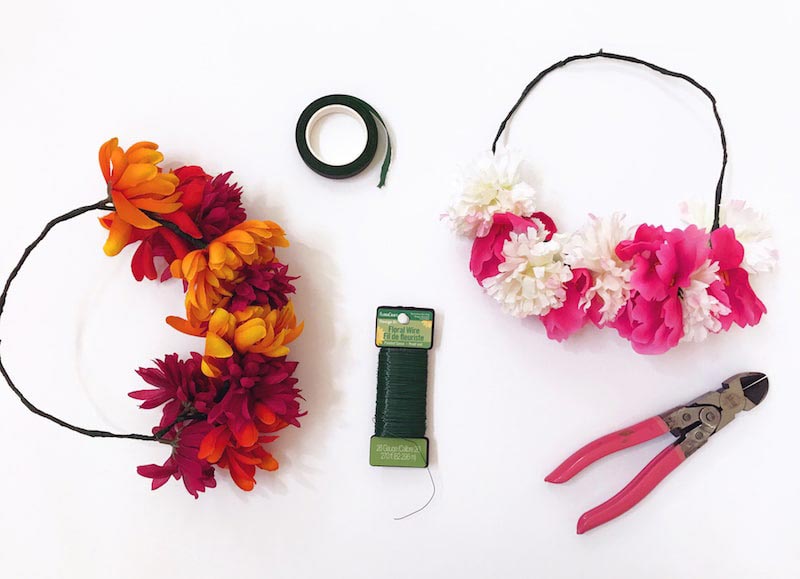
<point x="400" y="410"/>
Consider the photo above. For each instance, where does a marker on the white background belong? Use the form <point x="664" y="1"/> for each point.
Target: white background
<point x="221" y="84"/>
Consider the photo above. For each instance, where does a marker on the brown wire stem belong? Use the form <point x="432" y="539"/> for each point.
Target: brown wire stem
<point x="659" y="69"/>
<point x="103" y="205"/>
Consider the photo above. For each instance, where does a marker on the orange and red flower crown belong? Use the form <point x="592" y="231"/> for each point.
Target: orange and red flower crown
<point x="221" y="408"/>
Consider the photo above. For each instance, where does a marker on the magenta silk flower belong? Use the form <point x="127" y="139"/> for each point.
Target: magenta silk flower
<point x="746" y="308"/>
<point x="197" y="474"/>
<point x="221" y="207"/>
<point x="257" y="385"/>
<point x="561" y="323"/>
<point x="249" y="385"/>
<point x="662" y="265"/>
<point x="263" y="284"/>
<point x="663" y="262"/>
<point x="487" y="251"/>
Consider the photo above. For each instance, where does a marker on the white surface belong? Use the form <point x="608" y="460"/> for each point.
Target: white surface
<point x="221" y="85"/>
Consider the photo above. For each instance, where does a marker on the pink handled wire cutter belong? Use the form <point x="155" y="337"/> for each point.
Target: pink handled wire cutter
<point x="692" y="424"/>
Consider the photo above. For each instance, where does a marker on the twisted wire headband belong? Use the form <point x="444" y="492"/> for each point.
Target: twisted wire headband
<point x="655" y="67"/>
<point x="103" y="205"/>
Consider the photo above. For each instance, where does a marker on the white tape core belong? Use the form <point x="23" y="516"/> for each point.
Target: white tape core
<point x="332" y="110"/>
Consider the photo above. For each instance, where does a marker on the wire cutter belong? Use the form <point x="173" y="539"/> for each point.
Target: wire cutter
<point x="692" y="424"/>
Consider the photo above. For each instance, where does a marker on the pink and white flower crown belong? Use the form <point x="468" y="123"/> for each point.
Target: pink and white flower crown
<point x="656" y="287"/>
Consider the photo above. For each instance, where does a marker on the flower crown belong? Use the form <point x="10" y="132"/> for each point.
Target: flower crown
<point x="220" y="408"/>
<point x="656" y="287"/>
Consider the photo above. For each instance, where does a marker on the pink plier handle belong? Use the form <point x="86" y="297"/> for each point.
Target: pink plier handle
<point x="658" y="468"/>
<point x="608" y="444"/>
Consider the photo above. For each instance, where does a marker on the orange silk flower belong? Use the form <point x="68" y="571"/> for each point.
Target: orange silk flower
<point x="219" y="446"/>
<point x="211" y="273"/>
<point x="135" y="185"/>
<point x="254" y="329"/>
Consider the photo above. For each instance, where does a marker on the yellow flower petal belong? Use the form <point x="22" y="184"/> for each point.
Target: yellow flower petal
<point x="220" y="322"/>
<point x="193" y="262"/>
<point x="118" y="236"/>
<point x="212" y="280"/>
<point x="249" y="333"/>
<point x="276" y="352"/>
<point x="175" y="268"/>
<point x="209" y="370"/>
<point x="216" y="253"/>
<point x="245" y="248"/>
<point x="171" y="177"/>
<point x="216" y="347"/>
<point x="144" y="155"/>
<point x="142" y="145"/>
<point x="136" y="173"/>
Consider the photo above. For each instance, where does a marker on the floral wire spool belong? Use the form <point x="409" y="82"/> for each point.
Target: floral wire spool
<point x="655" y="287"/>
<point x="221" y="408"/>
<point x="402" y="393"/>
<point x="404" y="336"/>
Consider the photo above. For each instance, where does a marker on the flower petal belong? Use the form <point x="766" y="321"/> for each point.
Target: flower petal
<point x="269" y="463"/>
<point x="184" y="326"/>
<point x="216" y="347"/>
<point x="249" y="333"/>
<point x="118" y="164"/>
<point x="161" y="186"/>
<point x="104" y="156"/>
<point x="118" y="236"/>
<point x="127" y="211"/>
<point x="183" y="221"/>
<point x="136" y="173"/>
<point x="156" y="206"/>
<point x="144" y="155"/>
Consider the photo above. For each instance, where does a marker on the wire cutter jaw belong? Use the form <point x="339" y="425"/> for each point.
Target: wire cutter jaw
<point x="703" y="417"/>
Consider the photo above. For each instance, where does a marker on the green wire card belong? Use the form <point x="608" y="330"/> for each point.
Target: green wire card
<point x="398" y="329"/>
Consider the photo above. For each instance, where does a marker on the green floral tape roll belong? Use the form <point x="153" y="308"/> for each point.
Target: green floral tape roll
<point x="357" y="108"/>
